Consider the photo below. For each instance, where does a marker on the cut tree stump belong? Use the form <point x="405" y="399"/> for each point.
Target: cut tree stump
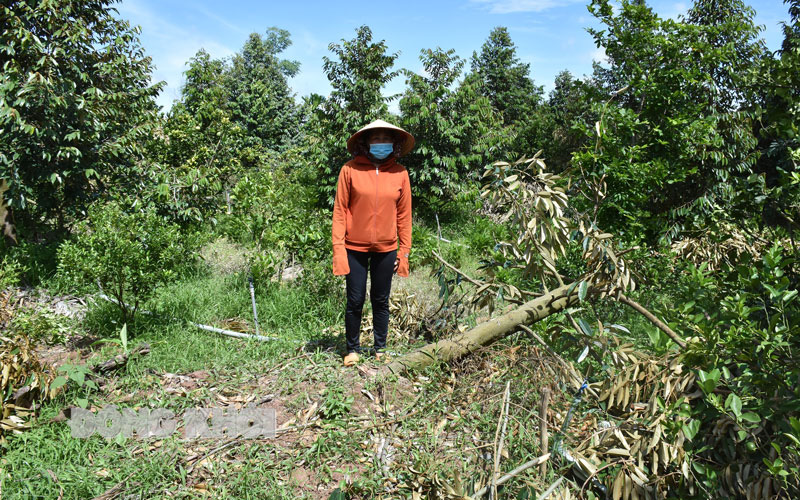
<point x="120" y="360"/>
<point x="485" y="333"/>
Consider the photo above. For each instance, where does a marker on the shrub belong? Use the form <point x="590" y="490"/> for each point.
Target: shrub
<point x="424" y="243"/>
<point x="41" y="325"/>
<point x="747" y="368"/>
<point x="276" y="213"/>
<point x="127" y="252"/>
<point x="10" y="272"/>
<point x="319" y="281"/>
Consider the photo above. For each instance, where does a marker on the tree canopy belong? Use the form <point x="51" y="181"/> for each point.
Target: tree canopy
<point x="357" y="74"/>
<point x="76" y="104"/>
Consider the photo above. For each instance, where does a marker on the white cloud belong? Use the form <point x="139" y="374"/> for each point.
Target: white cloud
<point x="170" y="47"/>
<point x="599" y="55"/>
<point x="539" y="30"/>
<point x="219" y="19"/>
<point x="510" y="6"/>
<point x="676" y="10"/>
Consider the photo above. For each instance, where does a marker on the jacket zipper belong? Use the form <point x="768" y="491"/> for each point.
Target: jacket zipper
<point x="375" y="215"/>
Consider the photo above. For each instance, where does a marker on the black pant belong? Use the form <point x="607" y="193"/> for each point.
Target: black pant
<point x="381" y="269"/>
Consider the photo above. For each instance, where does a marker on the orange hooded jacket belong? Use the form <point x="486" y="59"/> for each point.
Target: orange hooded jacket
<point x="371" y="212"/>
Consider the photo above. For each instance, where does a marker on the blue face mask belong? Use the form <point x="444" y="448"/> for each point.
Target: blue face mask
<point x="381" y="150"/>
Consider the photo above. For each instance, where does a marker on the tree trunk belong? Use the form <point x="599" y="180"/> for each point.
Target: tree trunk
<point x="487" y="332"/>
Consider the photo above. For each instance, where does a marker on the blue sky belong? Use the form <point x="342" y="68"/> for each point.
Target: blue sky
<point x="549" y="34"/>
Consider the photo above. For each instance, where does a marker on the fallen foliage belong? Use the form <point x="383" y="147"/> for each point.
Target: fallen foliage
<point x="24" y="381"/>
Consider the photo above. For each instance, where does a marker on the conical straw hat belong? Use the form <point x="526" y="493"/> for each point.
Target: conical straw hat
<point x="408" y="141"/>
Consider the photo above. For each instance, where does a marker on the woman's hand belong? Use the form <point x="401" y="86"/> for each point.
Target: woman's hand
<point x="396" y="265"/>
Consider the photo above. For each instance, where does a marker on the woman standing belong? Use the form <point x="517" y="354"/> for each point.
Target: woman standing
<point x="371" y="214"/>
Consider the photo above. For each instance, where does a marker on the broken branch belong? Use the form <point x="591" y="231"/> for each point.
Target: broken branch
<point x="653" y="319"/>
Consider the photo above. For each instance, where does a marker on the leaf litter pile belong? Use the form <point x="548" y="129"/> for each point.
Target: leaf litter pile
<point x="24" y="381"/>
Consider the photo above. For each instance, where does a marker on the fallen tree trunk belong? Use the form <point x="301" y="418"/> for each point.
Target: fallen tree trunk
<point x="487" y="332"/>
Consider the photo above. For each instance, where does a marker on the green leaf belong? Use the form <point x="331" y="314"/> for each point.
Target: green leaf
<point x="708" y="380"/>
<point x="772" y="291"/>
<point x="337" y="494"/>
<point x="585" y="327"/>
<point x="751" y="417"/>
<point x="58" y="382"/>
<point x="690" y="429"/>
<point x="78" y="376"/>
<point x="82" y="402"/>
<point x="734" y="403"/>
<point x="793" y="438"/>
<point x="582" y="289"/>
<point x="571" y="288"/>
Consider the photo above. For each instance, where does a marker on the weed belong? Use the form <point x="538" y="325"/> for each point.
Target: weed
<point x="336" y="403"/>
<point x="11" y="271"/>
<point x="79" y="376"/>
<point x="42" y="325"/>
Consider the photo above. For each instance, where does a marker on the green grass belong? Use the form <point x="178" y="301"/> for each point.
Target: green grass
<point x="285" y="311"/>
<point x="83" y="468"/>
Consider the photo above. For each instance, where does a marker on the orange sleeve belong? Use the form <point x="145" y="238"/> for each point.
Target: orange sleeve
<point x="404" y="226"/>
<point x="340" y="208"/>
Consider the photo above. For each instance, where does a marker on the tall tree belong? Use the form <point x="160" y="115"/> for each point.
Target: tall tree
<point x="200" y="148"/>
<point x="556" y="126"/>
<point x="455" y="129"/>
<point x="779" y="130"/>
<point x="357" y="75"/>
<point x="230" y="114"/>
<point x="203" y="93"/>
<point x="673" y="132"/>
<point x="503" y="78"/>
<point x="728" y="28"/>
<point x="566" y="115"/>
<point x="76" y="102"/>
<point x="261" y="100"/>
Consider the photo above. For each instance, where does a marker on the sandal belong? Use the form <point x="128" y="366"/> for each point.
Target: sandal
<point x="351" y="359"/>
